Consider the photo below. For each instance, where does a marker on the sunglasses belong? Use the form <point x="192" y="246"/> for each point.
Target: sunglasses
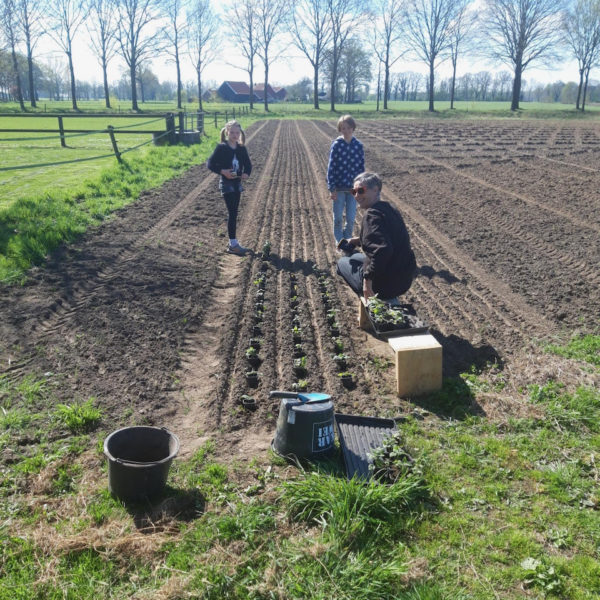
<point x="358" y="191"/>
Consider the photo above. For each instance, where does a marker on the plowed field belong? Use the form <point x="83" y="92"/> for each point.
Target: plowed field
<point x="148" y="315"/>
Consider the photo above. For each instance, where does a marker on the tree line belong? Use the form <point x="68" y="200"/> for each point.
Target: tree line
<point x="348" y="43"/>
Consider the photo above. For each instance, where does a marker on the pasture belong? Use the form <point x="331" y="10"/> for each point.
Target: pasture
<point x="145" y="320"/>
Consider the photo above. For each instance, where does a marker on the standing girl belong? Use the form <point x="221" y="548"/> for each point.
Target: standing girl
<point x="346" y="161"/>
<point x="230" y="160"/>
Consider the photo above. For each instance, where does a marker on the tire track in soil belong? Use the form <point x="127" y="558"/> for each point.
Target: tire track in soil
<point x="472" y="300"/>
<point x="571" y="254"/>
<point x="58" y="315"/>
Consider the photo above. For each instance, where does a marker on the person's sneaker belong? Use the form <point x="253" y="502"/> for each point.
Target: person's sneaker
<point x="237" y="250"/>
<point x="391" y="301"/>
<point x="345" y="248"/>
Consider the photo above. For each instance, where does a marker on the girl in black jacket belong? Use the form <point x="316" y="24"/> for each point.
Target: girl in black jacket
<point x="230" y="160"/>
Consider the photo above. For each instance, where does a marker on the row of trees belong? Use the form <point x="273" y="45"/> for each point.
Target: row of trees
<point x="339" y="38"/>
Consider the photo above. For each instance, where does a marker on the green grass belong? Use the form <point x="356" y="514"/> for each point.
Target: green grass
<point x="492" y="509"/>
<point x="584" y="348"/>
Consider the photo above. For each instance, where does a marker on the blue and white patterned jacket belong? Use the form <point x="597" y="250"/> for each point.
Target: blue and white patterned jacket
<point x="346" y="161"/>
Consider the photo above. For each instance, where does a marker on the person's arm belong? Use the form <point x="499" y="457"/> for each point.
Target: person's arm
<point x="247" y="165"/>
<point x="361" y="157"/>
<point x="331" y="166"/>
<point x="375" y="244"/>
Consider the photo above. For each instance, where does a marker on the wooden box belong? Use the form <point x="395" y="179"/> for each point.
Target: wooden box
<point x="418" y="364"/>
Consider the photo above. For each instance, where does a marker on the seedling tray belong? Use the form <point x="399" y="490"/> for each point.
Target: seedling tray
<point x="359" y="436"/>
<point x="414" y="324"/>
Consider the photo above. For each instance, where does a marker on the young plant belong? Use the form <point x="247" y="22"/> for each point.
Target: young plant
<point x="390" y="461"/>
<point x="338" y="345"/>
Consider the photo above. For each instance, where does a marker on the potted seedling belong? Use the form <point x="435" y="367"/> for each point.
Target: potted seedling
<point x="252" y="378"/>
<point x="331" y="316"/>
<point x="256" y="330"/>
<point x="296" y="334"/>
<point x="346" y="378"/>
<point x="390" y="461"/>
<point x="260" y="294"/>
<point x="294" y="301"/>
<point x="298" y="351"/>
<point x="341" y="360"/>
<point x="338" y="345"/>
<point x="260" y="281"/>
<point x="255" y="343"/>
<point x="300" y="366"/>
<point x="266" y="250"/>
<point x="252" y="357"/>
<point x="385" y="318"/>
<point x="334" y="328"/>
<point x="296" y="322"/>
<point x="300" y="386"/>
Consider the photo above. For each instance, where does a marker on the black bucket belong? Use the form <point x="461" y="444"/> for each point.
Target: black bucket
<point x="138" y="461"/>
<point x="304" y="429"/>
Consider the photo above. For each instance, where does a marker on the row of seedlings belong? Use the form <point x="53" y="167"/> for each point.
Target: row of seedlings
<point x="339" y="357"/>
<point x="254" y="345"/>
<point x="299" y="354"/>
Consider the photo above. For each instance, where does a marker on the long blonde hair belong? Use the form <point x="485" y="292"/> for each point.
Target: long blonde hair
<point x="228" y="126"/>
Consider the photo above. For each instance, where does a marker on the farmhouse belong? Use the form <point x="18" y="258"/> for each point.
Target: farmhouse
<point x="239" y="91"/>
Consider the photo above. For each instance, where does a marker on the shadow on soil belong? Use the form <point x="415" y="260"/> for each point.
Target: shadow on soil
<point x="429" y="273"/>
<point x="456" y="398"/>
<point x="161" y="513"/>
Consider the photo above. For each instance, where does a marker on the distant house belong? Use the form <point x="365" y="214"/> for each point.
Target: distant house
<point x="259" y="90"/>
<point x="209" y="95"/>
<point x="236" y="91"/>
<point x="280" y="93"/>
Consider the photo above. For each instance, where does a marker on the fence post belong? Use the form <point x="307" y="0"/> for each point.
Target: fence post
<point x="226" y="119"/>
<point x="181" y="122"/>
<point x="62" y="132"/>
<point x="111" y="133"/>
<point x="234" y="114"/>
<point x="200" y="122"/>
<point x="216" y="119"/>
<point x="170" y="124"/>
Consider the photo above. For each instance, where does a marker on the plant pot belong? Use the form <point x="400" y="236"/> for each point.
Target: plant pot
<point x="256" y="330"/>
<point x="254" y="343"/>
<point x="340" y="363"/>
<point x="253" y="361"/>
<point x="346" y="380"/>
<point x="252" y="378"/>
<point x="300" y="372"/>
<point x="297" y="338"/>
<point x="299" y="352"/>
<point x="335" y="331"/>
<point x="248" y="402"/>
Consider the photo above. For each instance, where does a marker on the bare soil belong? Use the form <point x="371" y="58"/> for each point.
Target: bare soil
<point x="148" y="315"/>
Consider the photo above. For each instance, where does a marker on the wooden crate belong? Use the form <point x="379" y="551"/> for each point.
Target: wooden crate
<point x="418" y="364"/>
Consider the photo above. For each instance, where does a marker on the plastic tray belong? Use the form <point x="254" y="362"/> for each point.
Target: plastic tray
<point x="359" y="436"/>
<point x="416" y="326"/>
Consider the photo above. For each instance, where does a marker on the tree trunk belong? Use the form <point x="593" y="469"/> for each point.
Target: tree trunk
<point x="431" y="83"/>
<point x="134" y="102"/>
<point x="579" y="89"/>
<point x="333" y="78"/>
<point x="265" y="99"/>
<point x="316" y="87"/>
<point x="30" y="74"/>
<point x="17" y="78"/>
<point x="585" y="86"/>
<point x="453" y="85"/>
<point x="386" y="86"/>
<point x="516" y="91"/>
<point x="105" y="83"/>
<point x="199" y="90"/>
<point x="251" y="73"/>
<point x="178" y="71"/>
<point x="73" y="87"/>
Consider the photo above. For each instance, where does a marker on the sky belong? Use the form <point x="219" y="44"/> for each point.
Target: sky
<point x="288" y="69"/>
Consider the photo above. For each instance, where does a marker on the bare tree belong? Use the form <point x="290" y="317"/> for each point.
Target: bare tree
<point x="30" y="16"/>
<point x="103" y="42"/>
<point x="174" y="34"/>
<point x="67" y="16"/>
<point x="137" y="40"/>
<point x="429" y="24"/>
<point x="520" y="32"/>
<point x="202" y="38"/>
<point x="582" y="28"/>
<point x="344" y="15"/>
<point x="9" y="27"/>
<point x="460" y="35"/>
<point x="388" y="14"/>
<point x="311" y="33"/>
<point x="354" y="68"/>
<point x="247" y="22"/>
<point x="271" y="15"/>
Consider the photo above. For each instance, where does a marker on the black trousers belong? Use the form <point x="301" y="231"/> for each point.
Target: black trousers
<point x="232" y="201"/>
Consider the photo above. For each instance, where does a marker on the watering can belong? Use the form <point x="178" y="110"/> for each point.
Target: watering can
<point x="305" y="426"/>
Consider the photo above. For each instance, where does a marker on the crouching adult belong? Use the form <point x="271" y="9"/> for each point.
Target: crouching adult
<point x="386" y="266"/>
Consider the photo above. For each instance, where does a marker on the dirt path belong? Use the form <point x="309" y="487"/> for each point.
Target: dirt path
<point x="148" y="315"/>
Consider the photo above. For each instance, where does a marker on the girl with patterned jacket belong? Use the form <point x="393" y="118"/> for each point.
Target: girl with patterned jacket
<point x="346" y="161"/>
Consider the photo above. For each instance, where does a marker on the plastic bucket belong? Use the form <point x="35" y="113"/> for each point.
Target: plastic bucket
<point x="304" y="429"/>
<point x="138" y="461"/>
